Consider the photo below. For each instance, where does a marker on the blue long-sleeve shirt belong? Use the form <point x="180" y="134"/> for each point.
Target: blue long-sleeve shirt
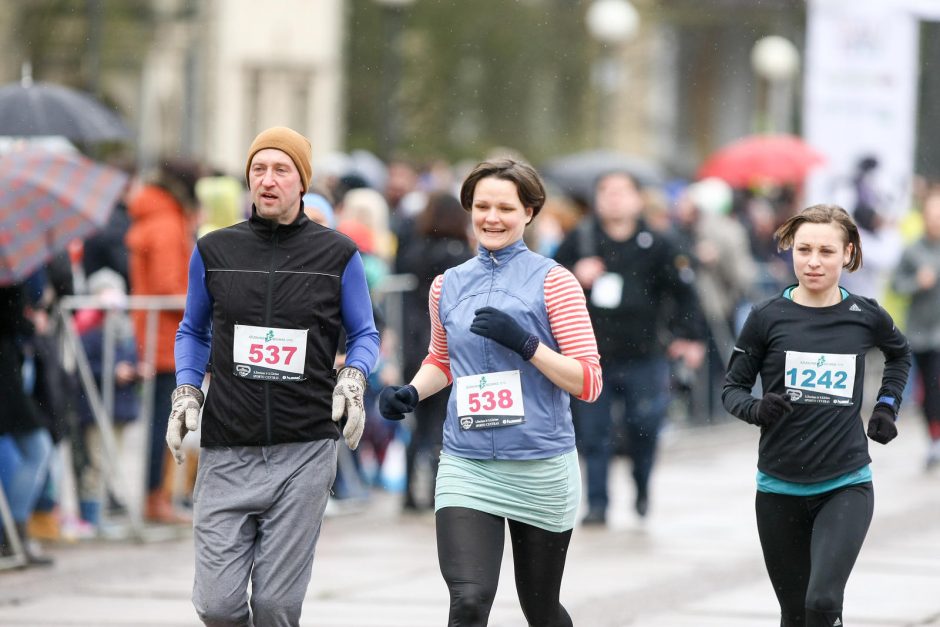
<point x="194" y="337"/>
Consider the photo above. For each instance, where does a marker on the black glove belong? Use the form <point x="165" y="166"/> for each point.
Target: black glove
<point x="500" y="327"/>
<point x="397" y="400"/>
<point x="771" y="408"/>
<point x="881" y="426"/>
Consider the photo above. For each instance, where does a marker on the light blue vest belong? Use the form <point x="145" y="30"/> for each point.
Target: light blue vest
<point x="511" y="279"/>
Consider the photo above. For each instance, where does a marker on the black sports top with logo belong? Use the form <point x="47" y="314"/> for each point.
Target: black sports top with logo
<point x="816" y="357"/>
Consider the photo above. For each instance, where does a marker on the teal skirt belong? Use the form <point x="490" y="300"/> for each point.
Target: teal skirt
<point x="544" y="493"/>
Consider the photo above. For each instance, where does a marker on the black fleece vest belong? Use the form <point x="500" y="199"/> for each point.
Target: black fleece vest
<point x="278" y="276"/>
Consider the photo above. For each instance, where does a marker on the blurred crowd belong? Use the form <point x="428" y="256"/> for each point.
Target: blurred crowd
<point x="409" y="226"/>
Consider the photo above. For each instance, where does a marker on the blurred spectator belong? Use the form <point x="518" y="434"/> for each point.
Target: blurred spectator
<point x="160" y="242"/>
<point x="52" y="389"/>
<point x="91" y="324"/>
<point x="774" y="271"/>
<point x="724" y="270"/>
<point x="439" y="177"/>
<point x="656" y="212"/>
<point x="25" y="445"/>
<point x="880" y="236"/>
<point x="319" y="209"/>
<point x="440" y="242"/>
<point x="345" y="184"/>
<point x="635" y="294"/>
<point x="368" y="208"/>
<point x="107" y="248"/>
<point x="401" y="190"/>
<point x="404" y="200"/>
<point x="221" y="201"/>
<point x="918" y="276"/>
<point x="557" y="218"/>
<point x="364" y="221"/>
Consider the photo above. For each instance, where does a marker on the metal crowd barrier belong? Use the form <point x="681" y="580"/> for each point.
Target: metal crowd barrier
<point x="18" y="558"/>
<point x="388" y="296"/>
<point x="101" y="400"/>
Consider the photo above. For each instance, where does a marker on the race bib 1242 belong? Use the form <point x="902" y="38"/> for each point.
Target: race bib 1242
<point x="820" y="378"/>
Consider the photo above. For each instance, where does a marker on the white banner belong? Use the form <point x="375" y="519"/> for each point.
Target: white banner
<point x="861" y="98"/>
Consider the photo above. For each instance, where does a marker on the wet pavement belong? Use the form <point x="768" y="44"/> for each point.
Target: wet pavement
<point x="695" y="562"/>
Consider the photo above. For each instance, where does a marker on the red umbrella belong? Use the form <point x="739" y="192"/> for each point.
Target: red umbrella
<point x="780" y="159"/>
<point x="48" y="199"/>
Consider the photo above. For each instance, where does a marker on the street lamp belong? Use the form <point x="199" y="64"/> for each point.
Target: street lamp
<point x="776" y="60"/>
<point x="612" y="23"/>
<point x="393" y="18"/>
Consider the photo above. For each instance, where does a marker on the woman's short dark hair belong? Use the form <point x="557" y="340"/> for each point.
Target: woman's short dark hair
<point x="443" y="217"/>
<point x="528" y="182"/>
<point x="823" y="214"/>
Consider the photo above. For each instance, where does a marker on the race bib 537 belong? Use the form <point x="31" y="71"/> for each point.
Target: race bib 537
<point x="269" y="353"/>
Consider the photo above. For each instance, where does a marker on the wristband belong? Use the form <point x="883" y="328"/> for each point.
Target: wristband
<point x="529" y="348"/>
<point x="890" y="401"/>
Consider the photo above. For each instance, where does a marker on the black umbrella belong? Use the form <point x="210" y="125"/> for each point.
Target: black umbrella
<point x="576" y="174"/>
<point x="30" y="109"/>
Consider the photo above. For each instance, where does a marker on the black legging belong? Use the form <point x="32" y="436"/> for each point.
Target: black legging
<point x="810" y="545"/>
<point x="928" y="364"/>
<point x="470" y="550"/>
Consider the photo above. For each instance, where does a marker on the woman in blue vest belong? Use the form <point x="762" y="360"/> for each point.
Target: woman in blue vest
<point x="511" y="336"/>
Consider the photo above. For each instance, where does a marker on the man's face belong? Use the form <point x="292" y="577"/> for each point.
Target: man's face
<point x="401" y="179"/>
<point x="275" y="185"/>
<point x="617" y="199"/>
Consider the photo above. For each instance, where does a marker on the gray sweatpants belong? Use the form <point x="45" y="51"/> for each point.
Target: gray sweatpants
<point x="257" y="514"/>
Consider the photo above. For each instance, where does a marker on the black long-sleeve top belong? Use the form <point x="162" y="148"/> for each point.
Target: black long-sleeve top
<point x="809" y="354"/>
<point x="655" y="297"/>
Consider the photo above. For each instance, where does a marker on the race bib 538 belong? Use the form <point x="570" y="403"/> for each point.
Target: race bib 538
<point x="489" y="400"/>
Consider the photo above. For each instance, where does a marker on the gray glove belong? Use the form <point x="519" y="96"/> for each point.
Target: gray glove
<point x="184" y="416"/>
<point x="347" y="399"/>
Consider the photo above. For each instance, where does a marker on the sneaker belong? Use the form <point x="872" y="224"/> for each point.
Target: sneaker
<point x="933" y="455"/>
<point x="115" y="507"/>
<point x="642" y="505"/>
<point x="594" y="518"/>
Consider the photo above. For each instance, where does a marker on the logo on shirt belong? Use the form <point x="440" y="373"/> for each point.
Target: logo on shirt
<point x="243" y="370"/>
<point x="466" y="422"/>
<point x="269" y="336"/>
<point x="854" y="307"/>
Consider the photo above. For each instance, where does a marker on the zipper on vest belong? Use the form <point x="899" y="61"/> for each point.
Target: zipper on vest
<point x="267" y="321"/>
<point x="486" y="343"/>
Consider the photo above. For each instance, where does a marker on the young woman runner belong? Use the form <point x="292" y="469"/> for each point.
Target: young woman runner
<point x="814" y="485"/>
<point x="511" y="336"/>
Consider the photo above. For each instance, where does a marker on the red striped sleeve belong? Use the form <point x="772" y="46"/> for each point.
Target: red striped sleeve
<point x="571" y="327"/>
<point x="437" y="349"/>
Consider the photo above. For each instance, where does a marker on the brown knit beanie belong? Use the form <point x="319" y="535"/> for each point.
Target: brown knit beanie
<point x="288" y="141"/>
